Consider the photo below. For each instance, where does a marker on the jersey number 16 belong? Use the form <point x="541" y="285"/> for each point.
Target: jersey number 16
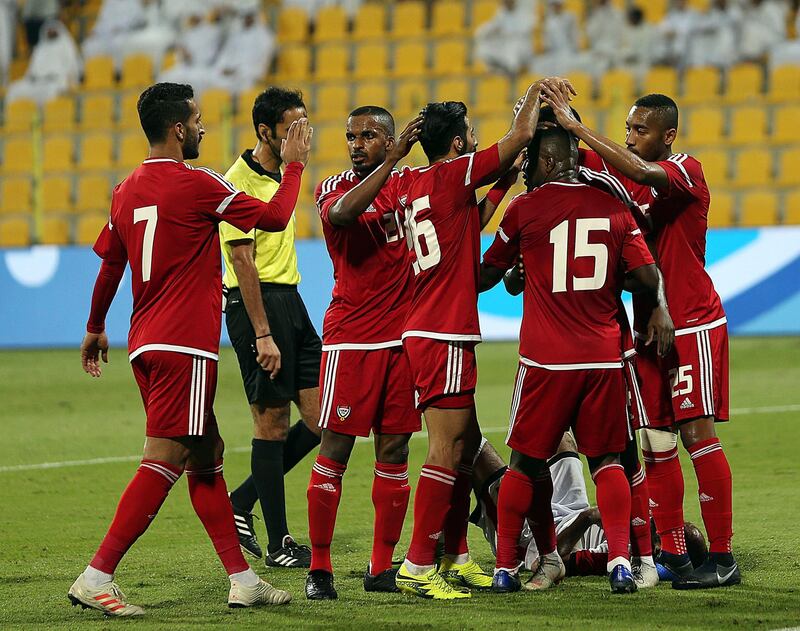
<point x="421" y="236"/>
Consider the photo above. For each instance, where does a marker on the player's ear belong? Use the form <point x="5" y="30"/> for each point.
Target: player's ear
<point x="180" y="131"/>
<point x="669" y="136"/>
<point x="458" y="144"/>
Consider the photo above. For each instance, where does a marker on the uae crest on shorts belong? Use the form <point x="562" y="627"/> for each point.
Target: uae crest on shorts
<point x="342" y="411"/>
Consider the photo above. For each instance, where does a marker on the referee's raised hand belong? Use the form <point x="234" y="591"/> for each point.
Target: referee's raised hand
<point x="297" y="144"/>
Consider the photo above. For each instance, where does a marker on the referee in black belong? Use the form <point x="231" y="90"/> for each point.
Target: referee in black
<point x="279" y="351"/>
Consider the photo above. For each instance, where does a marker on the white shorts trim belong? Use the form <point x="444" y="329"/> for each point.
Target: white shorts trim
<point x="455" y="364"/>
<point x="447" y="337"/>
<point x="328" y="387"/>
<point x="197" y="397"/>
<point x="592" y="366"/>
<point x="706" y="369"/>
<point x="187" y="350"/>
<point x="692" y="329"/>
<point x="347" y="346"/>
<point x="515" y="400"/>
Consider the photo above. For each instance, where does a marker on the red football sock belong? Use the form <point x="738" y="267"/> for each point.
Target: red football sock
<point x="665" y="482"/>
<point x="455" y="524"/>
<point x="390" y="494"/>
<point x="714" y="488"/>
<point x="431" y="503"/>
<point x="210" y="500"/>
<point x="641" y="543"/>
<point x="614" y="502"/>
<point x="324" y="492"/>
<point x="137" y="508"/>
<point x="540" y="516"/>
<point x="513" y="504"/>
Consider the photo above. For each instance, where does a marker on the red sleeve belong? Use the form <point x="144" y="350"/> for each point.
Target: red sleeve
<point x="591" y="160"/>
<point x="504" y="250"/>
<point x="110" y="248"/>
<point x="635" y="252"/>
<point x="473" y="170"/>
<point x="685" y="176"/>
<point x="326" y="195"/>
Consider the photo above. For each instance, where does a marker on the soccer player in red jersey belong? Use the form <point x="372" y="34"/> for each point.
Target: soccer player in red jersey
<point x="365" y="378"/>
<point x="686" y="392"/>
<point x="578" y="243"/>
<point x="443" y="222"/>
<point x="164" y="222"/>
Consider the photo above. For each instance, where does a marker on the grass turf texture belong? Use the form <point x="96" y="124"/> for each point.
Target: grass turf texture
<point x="53" y="519"/>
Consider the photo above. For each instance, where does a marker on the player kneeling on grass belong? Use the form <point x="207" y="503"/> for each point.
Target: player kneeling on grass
<point x="578" y="244"/>
<point x="164" y="221"/>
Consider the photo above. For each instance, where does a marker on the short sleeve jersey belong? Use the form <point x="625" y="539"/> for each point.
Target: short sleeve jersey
<point x="442" y="224"/>
<point x="679" y="215"/>
<point x="372" y="275"/>
<point x="164" y="221"/>
<point x="577" y="242"/>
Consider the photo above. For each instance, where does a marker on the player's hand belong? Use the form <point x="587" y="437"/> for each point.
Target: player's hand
<point x="562" y="85"/>
<point x="297" y="144"/>
<point x="93" y="347"/>
<point x="519" y="163"/>
<point x="268" y="356"/>
<point x="660" y="329"/>
<point x="554" y="97"/>
<point x="406" y="139"/>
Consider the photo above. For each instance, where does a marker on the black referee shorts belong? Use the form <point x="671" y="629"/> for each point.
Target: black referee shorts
<point x="293" y="333"/>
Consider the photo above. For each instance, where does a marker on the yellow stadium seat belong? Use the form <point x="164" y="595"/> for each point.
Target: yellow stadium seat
<point x="410" y="97"/>
<point x="212" y="151"/>
<point x="17" y="155"/>
<point x="128" y="114"/>
<point x="705" y="126"/>
<point x="492" y="95"/>
<point x="58" y="153"/>
<point x="137" y="71"/>
<point x="748" y="126"/>
<point x="55" y="231"/>
<point x="19" y="116"/>
<point x="744" y="83"/>
<point x="98" y="73"/>
<point x="332" y="102"/>
<point x="15" y="195"/>
<point x="245" y="138"/>
<point x="483" y="11"/>
<point x="330" y="143"/>
<point x="753" y="167"/>
<point x="333" y="61"/>
<point x="294" y="63"/>
<point x="450" y="57"/>
<point x="95" y="152"/>
<point x="784" y="84"/>
<point x="292" y="26"/>
<point x="372" y="93"/>
<point x="56" y="194"/>
<point x="715" y="166"/>
<point x="408" y="19"/>
<point x="785" y="125"/>
<point x="214" y="104"/>
<point x="721" y="211"/>
<point x="490" y="129"/>
<point x="410" y="59"/>
<point x="758" y="208"/>
<point x="59" y="114"/>
<point x="88" y="228"/>
<point x="452" y="90"/>
<point x="94" y="194"/>
<point x="371" y="61"/>
<point x="330" y="25"/>
<point x="660" y="80"/>
<point x="97" y="112"/>
<point x="700" y="86"/>
<point x="303" y="225"/>
<point x="791" y="208"/>
<point x="133" y="149"/>
<point x="244" y="106"/>
<point x="370" y="22"/>
<point x="655" y="10"/>
<point x="617" y="87"/>
<point x="789" y="167"/>
<point x="15" y="232"/>
<point x="448" y="18"/>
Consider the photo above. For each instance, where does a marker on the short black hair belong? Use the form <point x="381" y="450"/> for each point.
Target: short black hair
<point x="383" y="116"/>
<point x="558" y="140"/>
<point x="547" y="115"/>
<point x="272" y="103"/>
<point x="666" y="109"/>
<point x="441" y="123"/>
<point x="161" y="106"/>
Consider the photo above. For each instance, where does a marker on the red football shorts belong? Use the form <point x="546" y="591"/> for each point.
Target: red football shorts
<point x="445" y="372"/>
<point x="178" y="393"/>
<point x="546" y="403"/>
<point x="691" y="382"/>
<point x="363" y="390"/>
<point x="633" y="384"/>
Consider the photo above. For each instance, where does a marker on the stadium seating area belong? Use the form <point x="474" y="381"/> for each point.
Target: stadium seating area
<point x="62" y="160"/>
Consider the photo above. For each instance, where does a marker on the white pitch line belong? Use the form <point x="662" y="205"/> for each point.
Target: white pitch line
<point x="770" y="409"/>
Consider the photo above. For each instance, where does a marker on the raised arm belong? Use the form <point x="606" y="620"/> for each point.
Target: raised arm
<point x="488" y="205"/>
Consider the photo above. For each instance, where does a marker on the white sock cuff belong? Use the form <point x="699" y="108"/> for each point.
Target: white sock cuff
<point x="248" y="578"/>
<point x="612" y="563"/>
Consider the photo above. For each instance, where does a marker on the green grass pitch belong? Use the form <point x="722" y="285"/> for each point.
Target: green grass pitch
<point x="51" y="519"/>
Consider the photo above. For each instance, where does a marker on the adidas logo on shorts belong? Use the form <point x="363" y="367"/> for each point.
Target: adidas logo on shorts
<point x="687" y="404"/>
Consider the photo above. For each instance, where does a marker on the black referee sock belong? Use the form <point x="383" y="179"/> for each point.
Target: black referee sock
<point x="266" y="464"/>
<point x="245" y="496"/>
<point x="299" y="443"/>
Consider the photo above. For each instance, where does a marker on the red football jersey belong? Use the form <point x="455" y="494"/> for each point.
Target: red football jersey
<point x="372" y="275"/>
<point x="442" y="224"/>
<point x="577" y="242"/>
<point x="679" y="214"/>
<point x="164" y="219"/>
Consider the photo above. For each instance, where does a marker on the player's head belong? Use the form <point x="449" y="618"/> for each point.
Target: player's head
<point x="695" y="544"/>
<point x="446" y="131"/>
<point x="274" y="111"/>
<point x="168" y="113"/>
<point x="651" y="126"/>
<point x="552" y="155"/>
<point x="370" y="134"/>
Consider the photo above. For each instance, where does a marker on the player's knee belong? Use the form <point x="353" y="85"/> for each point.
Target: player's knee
<point x="270" y="421"/>
<point x="596" y="462"/>
<point x="336" y="446"/>
<point x="391" y="448"/>
<point x="697" y="430"/>
<point x="657" y="440"/>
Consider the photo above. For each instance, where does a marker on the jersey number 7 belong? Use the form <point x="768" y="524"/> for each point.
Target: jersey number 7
<point x="559" y="237"/>
<point x="148" y="214"/>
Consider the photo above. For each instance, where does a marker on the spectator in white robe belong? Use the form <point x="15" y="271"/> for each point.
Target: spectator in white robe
<point x="678" y="29"/>
<point x="641" y="44"/>
<point x="504" y="43"/>
<point x="117" y="18"/>
<point x="715" y="42"/>
<point x="54" y="68"/>
<point x="561" y="40"/>
<point x="155" y="35"/>
<point x="763" y="27"/>
<point x="34" y="14"/>
<point x="197" y="46"/>
<point x="605" y="25"/>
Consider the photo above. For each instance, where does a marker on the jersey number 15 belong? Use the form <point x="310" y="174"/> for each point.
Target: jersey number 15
<point x="559" y="237"/>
